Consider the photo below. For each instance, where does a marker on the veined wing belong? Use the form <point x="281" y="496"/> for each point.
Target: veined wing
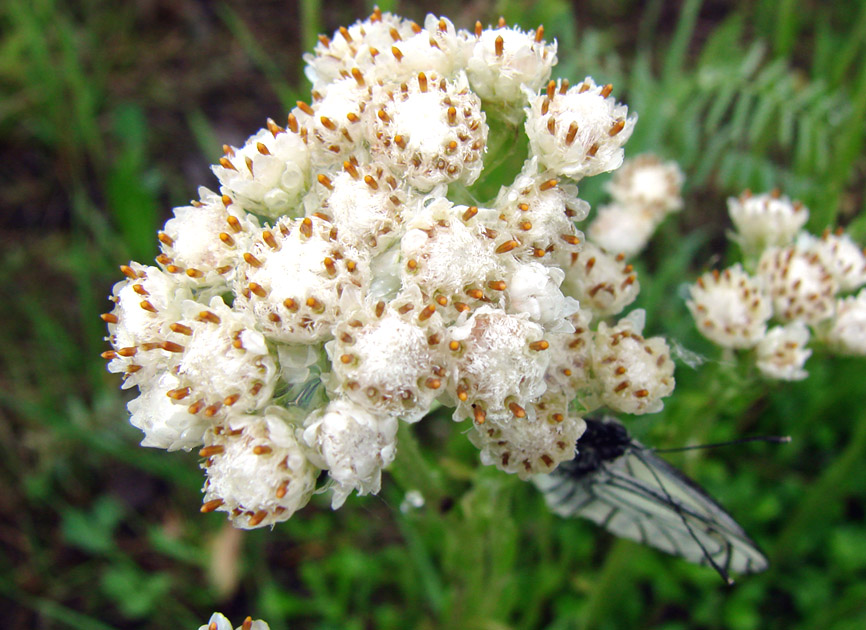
<point x="641" y="497"/>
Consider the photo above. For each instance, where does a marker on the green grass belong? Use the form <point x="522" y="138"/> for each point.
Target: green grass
<point x="109" y="116"/>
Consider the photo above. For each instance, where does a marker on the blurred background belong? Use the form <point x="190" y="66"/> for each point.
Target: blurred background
<point x="111" y="112"/>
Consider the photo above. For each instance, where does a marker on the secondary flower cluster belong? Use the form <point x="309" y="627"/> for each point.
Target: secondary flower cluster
<point x="643" y="191"/>
<point x="344" y="278"/>
<point x="797" y="279"/>
<point x="219" y="622"/>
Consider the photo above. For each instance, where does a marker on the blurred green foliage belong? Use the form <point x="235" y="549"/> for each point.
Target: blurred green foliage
<point x="110" y="113"/>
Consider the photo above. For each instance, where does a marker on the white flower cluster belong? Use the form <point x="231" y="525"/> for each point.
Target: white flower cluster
<point x="335" y="285"/>
<point x="644" y="191"/>
<point x="797" y="280"/>
<point x="219" y="622"/>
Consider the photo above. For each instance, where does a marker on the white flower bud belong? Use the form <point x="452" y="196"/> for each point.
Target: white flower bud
<point x="292" y="278"/>
<point x="382" y="359"/>
<point x="505" y="59"/>
<point x="533" y="288"/>
<point x="351" y="47"/>
<point x="580" y="131"/>
<point x="433" y="132"/>
<point x="782" y="353"/>
<point x="534" y="442"/>
<point x="353" y="445"/>
<point x="799" y="283"/>
<point x="146" y="304"/>
<point x="765" y="220"/>
<point x="165" y="424"/>
<point x="730" y="308"/>
<point x="448" y="253"/>
<point x="601" y="283"/>
<point x="539" y="214"/>
<point x="223" y="362"/>
<point x="257" y="471"/>
<point x="499" y="361"/>
<point x="622" y="229"/>
<point x="570" y="369"/>
<point x="847" y="330"/>
<point x="438" y="47"/>
<point x="842" y="257"/>
<point x="647" y="183"/>
<point x="269" y="174"/>
<point x="334" y="124"/>
<point x="219" y="622"/>
<point x="202" y="244"/>
<point x="634" y="373"/>
<point x="365" y="203"/>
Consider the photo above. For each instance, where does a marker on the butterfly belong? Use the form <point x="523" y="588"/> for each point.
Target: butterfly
<point x="623" y="486"/>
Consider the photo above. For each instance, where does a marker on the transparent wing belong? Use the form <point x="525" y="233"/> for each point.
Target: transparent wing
<point x="643" y="498"/>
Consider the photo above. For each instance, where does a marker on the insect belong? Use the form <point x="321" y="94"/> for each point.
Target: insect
<point x="623" y="486"/>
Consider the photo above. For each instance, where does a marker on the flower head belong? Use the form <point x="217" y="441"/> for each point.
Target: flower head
<point x="766" y="220"/>
<point x="782" y="353"/>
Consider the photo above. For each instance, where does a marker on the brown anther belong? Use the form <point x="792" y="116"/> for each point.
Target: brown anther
<point x="383" y="116"/>
<point x="479" y="414"/>
<point x="523" y="207"/>
<point x="572" y="132"/>
<point x="539" y="345"/>
<point x="292" y="123"/>
<point x="274" y="128"/>
<point x="606" y="90"/>
<point x="400" y="141"/>
<point x="422" y="81"/>
<point x="226" y="163"/>
<point x="616" y="127"/>
<point x="621" y="386"/>
<point x="211" y="411"/>
<point x="165" y="238"/>
<point x="252" y="260"/>
<point x="346" y="358"/>
<point x="571" y="239"/>
<point x="173" y="269"/>
<point x="262" y="148"/>
<point x="258" y="289"/>
<point x="225" y="238"/>
<point x="497" y="285"/>
<point x="551" y="125"/>
<point x="108" y="355"/>
<point x="109" y="318"/>
<point x="398" y="55"/>
<point x="262" y="450"/>
<point x="443" y="25"/>
<point x="507" y="246"/>
<point x="210" y="506"/>
<point x="517" y="410"/>
<point x="499" y="45"/>
<point x="282" y="489"/>
<point x="395" y="35"/>
<point x="306" y="227"/>
<point x="380" y="308"/>
<point x="583" y="88"/>
<point x="228" y="151"/>
<point x="314" y="304"/>
<point x="234" y="224"/>
<point x="247" y="624"/>
<point x="371" y="182"/>
<point x="501" y="23"/>
<point x="290" y="304"/>
<point x="128" y="351"/>
<point x="591" y="151"/>
<point x="146" y="305"/>
<point x="452" y="146"/>
<point x="619" y="371"/>
<point x="192" y="272"/>
<point x="412" y="264"/>
<point x="208" y="316"/>
<point x="305" y="108"/>
<point x="462" y="393"/>
<point x="454" y="346"/>
<point x="551" y="89"/>
<point x="330" y="267"/>
<point x="170" y="346"/>
<point x="327" y="123"/>
<point x="461" y="307"/>
<point x="127" y="271"/>
<point x="426" y="313"/>
<point x="259" y="516"/>
<point x="475" y="294"/>
<point x="550" y="183"/>
<point x="545" y="106"/>
<point x="181" y="329"/>
<point x="228" y="401"/>
<point x="358" y="76"/>
<point x="525" y="226"/>
<point x="563" y="86"/>
<point x="325" y="181"/>
<point x="478" y="28"/>
<point x="178" y="394"/>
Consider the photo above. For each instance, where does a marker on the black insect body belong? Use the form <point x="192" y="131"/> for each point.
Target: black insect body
<point x="621" y="485"/>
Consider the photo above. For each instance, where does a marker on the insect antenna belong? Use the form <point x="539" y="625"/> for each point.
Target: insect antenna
<point x="772" y="439"/>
